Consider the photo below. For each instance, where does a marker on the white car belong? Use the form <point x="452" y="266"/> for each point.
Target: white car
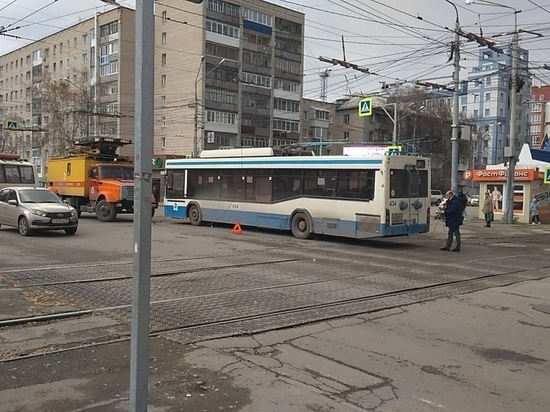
<point x="474" y="200"/>
<point x="29" y="209"/>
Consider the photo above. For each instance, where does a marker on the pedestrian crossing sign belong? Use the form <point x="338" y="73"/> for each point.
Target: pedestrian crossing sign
<point x="547" y="175"/>
<point x="365" y="107"/>
<point x="11" y="125"/>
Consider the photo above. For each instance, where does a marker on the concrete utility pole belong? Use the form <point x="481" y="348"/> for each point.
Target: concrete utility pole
<point x="143" y="171"/>
<point x="456" y="119"/>
<point x="513" y="127"/>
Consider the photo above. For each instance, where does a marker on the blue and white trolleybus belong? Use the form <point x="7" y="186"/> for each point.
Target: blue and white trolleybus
<point x="354" y="197"/>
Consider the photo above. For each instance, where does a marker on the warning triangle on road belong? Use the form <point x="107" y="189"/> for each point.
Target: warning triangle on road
<point x="237" y="229"/>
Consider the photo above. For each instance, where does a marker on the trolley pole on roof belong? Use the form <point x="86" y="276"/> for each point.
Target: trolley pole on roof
<point x="143" y="170"/>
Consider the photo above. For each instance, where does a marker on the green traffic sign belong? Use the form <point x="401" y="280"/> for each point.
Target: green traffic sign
<point x="365" y="107"/>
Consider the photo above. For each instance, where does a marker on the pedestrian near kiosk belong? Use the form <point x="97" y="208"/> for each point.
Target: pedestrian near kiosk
<point x="535" y="212"/>
<point x="463" y="200"/>
<point x="488" y="209"/>
<point x="453" y="220"/>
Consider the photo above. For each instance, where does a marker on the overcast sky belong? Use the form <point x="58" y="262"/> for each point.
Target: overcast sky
<point x="395" y="39"/>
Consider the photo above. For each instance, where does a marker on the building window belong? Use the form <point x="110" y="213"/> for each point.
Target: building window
<point x="541" y="97"/>
<point x="222" y="7"/>
<point x="163" y="101"/>
<point x="535" y="129"/>
<point x="257" y="80"/>
<point x="163" y="121"/>
<point x="163" y="37"/>
<point x="84" y="58"/>
<point x="488" y="81"/>
<point x="222" y="29"/>
<point x="287" y="105"/>
<point x="230" y="97"/>
<point x="257" y="17"/>
<point x="487" y="112"/>
<point x="476" y="98"/>
<point x="109" y="69"/>
<point x="476" y="113"/>
<point x="163" y="140"/>
<point x="84" y="39"/>
<point x="286" y="125"/>
<point x="164" y="16"/>
<point x="536" y="107"/>
<point x="163" y="80"/>
<point x="163" y="59"/>
<point x="487" y="97"/>
<point x="346" y="119"/>
<point x="322" y="114"/>
<point x="108" y="29"/>
<point x="288" y="86"/>
<point x="109" y="89"/>
<point x="109" y="129"/>
<point x="535" y="118"/>
<point x="346" y="135"/>
<point x="220" y="117"/>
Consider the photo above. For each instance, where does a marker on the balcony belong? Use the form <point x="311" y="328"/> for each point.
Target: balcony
<point x="288" y="55"/>
<point x="252" y="68"/>
<point x="222" y="84"/>
<point x="223" y="18"/>
<point x="258" y="48"/>
<point x="256" y="111"/>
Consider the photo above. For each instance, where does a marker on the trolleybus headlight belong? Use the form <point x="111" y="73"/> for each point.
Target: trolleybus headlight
<point x="403" y="205"/>
<point x="417" y="204"/>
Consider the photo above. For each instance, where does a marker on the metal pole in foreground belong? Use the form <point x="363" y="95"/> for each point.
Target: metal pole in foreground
<point x="513" y="129"/>
<point x="143" y="143"/>
<point x="456" y="119"/>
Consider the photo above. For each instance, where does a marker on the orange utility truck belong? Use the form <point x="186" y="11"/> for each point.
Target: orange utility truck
<point x="95" y="179"/>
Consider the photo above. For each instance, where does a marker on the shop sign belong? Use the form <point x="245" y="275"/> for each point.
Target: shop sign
<point x="496" y="175"/>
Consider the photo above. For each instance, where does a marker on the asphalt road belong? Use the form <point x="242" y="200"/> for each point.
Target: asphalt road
<point x="209" y="283"/>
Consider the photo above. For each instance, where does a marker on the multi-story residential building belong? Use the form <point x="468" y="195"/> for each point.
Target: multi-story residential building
<point x="317" y="122"/>
<point x="540" y="114"/>
<point x="227" y="74"/>
<point x="78" y="82"/>
<point x="487" y="103"/>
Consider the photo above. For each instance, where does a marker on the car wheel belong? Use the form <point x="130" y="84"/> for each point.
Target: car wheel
<point x="23" y="226"/>
<point x="301" y="226"/>
<point x="195" y="215"/>
<point x="70" y="230"/>
<point x="105" y="211"/>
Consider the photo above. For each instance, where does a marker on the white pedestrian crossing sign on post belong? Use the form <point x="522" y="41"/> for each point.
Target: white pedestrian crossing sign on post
<point x="11" y="125"/>
<point x="365" y="107"/>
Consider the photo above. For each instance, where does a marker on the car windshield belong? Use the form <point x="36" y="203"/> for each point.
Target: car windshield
<point x="116" y="172"/>
<point x="38" y="196"/>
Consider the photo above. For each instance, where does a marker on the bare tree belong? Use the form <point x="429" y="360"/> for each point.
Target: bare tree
<point x="65" y="109"/>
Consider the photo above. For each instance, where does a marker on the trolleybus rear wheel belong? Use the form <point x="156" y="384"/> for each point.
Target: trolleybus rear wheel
<point x="301" y="226"/>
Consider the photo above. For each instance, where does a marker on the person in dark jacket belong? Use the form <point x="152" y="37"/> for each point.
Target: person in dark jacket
<point x="453" y="220"/>
<point x="463" y="200"/>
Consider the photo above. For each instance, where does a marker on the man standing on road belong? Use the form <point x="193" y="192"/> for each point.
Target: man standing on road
<point x="453" y="220"/>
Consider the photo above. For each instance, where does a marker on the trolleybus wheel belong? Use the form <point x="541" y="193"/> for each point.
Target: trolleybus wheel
<point x="195" y="215"/>
<point x="301" y="226"/>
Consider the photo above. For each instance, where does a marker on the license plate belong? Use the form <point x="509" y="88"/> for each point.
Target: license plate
<point x="60" y="221"/>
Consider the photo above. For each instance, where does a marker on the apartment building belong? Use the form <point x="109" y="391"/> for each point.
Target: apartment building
<point x="227" y="74"/>
<point x="540" y="115"/>
<point x="78" y="82"/>
<point x="488" y="103"/>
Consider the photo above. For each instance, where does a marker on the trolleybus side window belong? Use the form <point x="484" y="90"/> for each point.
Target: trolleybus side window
<point x="320" y="183"/>
<point x="27" y="175"/>
<point x="287" y="184"/>
<point x="258" y="186"/>
<point x="356" y="184"/>
<point x="203" y="184"/>
<point x="233" y="184"/>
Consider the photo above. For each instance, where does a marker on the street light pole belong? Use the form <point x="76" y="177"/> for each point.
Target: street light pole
<point x="456" y="119"/>
<point x="393" y="119"/>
